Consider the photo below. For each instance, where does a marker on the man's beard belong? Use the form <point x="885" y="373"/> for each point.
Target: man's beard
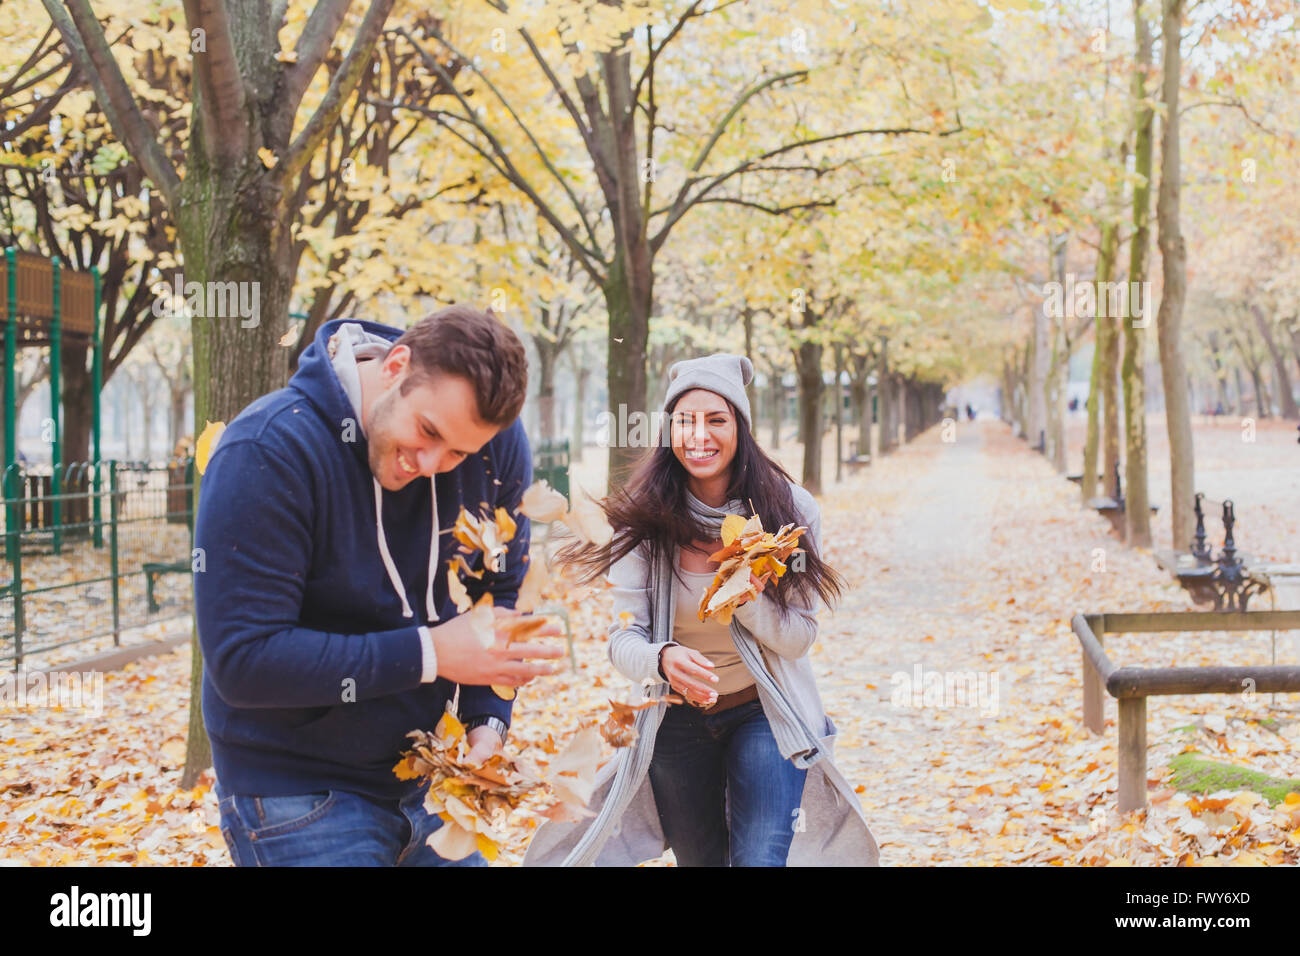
<point x="381" y="453"/>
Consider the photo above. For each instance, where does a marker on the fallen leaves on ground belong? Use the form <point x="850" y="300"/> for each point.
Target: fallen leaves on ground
<point x="962" y="557"/>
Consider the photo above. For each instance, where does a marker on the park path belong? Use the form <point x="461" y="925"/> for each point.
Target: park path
<point x="970" y="556"/>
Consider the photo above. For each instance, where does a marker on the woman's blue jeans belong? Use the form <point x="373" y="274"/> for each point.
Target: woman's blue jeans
<point x="331" y="828"/>
<point x="725" y="794"/>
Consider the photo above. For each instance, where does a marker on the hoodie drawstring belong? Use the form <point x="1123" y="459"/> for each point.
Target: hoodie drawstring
<point x="391" y="568"/>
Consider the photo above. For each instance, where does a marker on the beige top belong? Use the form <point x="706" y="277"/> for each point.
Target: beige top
<point x="710" y="638"/>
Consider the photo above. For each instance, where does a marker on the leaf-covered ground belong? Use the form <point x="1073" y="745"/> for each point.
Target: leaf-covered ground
<point x="966" y="557"/>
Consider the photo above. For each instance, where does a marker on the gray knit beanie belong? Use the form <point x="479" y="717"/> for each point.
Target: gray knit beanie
<point x="725" y="374"/>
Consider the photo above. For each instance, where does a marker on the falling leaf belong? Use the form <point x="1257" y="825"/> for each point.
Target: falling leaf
<point x="572" y="774"/>
<point x="207" y="444"/>
<point x="618" y="730"/>
<point x="536" y="578"/>
<point x="486" y="535"/>
<point x="456" y="588"/>
<point x="267" y="157"/>
<point x="289" y="338"/>
<point x="587" y="520"/>
<point x="543" y="503"/>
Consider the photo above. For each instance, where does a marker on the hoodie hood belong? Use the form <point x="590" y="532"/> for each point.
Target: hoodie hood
<point x="329" y="370"/>
<point x="318" y="376"/>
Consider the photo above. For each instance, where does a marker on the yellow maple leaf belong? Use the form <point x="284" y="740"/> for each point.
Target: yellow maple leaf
<point x="732" y="525"/>
<point x="207" y="444"/>
<point x="449" y="728"/>
<point x="486" y="847"/>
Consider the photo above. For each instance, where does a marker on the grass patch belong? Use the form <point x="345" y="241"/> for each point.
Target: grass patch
<point x="1194" y="774"/>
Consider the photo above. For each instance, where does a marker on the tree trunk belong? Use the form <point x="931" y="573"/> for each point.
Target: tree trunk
<point x="1295" y="343"/>
<point x="1059" y="364"/>
<point x="176" y="418"/>
<point x="808" y="363"/>
<point x="778" y="407"/>
<point x="1286" y="400"/>
<point x="1137" y="503"/>
<point x="629" y="334"/>
<point x="1169" y="321"/>
<point x="1104" y="326"/>
<point x="859" y="397"/>
<point x="885" y="401"/>
<point x="147" y="403"/>
<point x="838" y="392"/>
<point x="546" y="356"/>
<point x="78" y="403"/>
<point x="751" y="390"/>
<point x="1038" y="368"/>
<point x="581" y="373"/>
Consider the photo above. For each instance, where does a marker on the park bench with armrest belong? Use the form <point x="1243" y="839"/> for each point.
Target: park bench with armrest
<point x="854" y="459"/>
<point x="1225" y="581"/>
<point x="153" y="570"/>
<point x="1112" y="509"/>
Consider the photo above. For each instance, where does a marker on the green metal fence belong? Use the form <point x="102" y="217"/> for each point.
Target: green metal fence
<point x="551" y="461"/>
<point x="93" y="549"/>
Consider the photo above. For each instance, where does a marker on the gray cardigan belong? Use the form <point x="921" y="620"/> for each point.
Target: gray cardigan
<point x="831" y="829"/>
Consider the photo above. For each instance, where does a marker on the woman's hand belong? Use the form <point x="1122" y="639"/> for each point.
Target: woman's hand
<point x="690" y="673"/>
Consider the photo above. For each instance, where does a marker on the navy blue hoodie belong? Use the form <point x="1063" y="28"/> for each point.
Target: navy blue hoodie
<point x="312" y="672"/>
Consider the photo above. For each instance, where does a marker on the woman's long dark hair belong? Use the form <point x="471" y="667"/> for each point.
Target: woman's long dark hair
<point x="652" y="507"/>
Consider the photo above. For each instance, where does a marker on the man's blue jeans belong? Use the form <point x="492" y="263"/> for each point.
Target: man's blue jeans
<point x="331" y="828"/>
<point x="725" y="794"/>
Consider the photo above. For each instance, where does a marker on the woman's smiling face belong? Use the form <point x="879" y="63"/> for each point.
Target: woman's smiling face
<point x="703" y="434"/>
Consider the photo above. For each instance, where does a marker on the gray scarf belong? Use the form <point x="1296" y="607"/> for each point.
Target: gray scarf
<point x="792" y="733"/>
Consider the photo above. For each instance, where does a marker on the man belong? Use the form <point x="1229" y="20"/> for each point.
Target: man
<point x="323" y="609"/>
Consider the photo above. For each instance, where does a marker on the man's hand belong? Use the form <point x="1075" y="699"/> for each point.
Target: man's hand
<point x="462" y="658"/>
<point x="483" y="743"/>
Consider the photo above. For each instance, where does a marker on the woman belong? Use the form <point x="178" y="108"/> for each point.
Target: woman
<point x="740" y="774"/>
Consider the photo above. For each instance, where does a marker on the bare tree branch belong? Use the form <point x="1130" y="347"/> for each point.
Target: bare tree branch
<point x="341" y="87"/>
<point x="221" y="87"/>
<point x="432" y="63"/>
<point x="313" y="45"/>
<point x="85" y="39"/>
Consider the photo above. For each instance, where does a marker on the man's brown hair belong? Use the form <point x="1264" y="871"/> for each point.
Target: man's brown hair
<point x="477" y="346"/>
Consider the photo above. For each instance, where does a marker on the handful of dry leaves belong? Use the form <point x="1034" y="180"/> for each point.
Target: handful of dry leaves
<point x="746" y="548"/>
<point x="472" y="801"/>
<point x="475" y="801"/>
